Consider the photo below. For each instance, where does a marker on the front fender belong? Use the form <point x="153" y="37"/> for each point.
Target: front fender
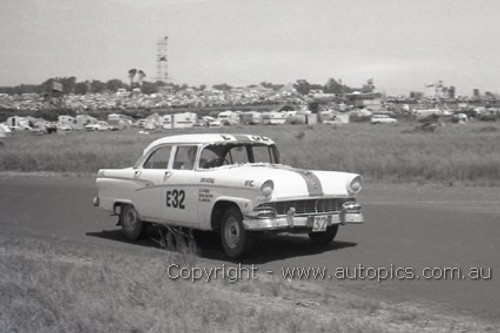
<point x="243" y="204"/>
<point x="211" y="221"/>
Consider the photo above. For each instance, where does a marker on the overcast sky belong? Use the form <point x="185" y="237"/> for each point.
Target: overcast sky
<point x="401" y="44"/>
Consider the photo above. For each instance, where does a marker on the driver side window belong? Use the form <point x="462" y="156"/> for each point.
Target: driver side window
<point x="158" y="159"/>
<point x="209" y="159"/>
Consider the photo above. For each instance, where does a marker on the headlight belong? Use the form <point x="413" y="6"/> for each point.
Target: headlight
<point x="267" y="188"/>
<point x="263" y="213"/>
<point x="354" y="187"/>
<point x="351" y="207"/>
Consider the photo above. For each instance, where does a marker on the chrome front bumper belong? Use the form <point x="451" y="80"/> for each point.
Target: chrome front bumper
<point x="290" y="222"/>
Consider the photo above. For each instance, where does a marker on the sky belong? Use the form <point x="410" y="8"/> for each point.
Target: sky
<point x="403" y="45"/>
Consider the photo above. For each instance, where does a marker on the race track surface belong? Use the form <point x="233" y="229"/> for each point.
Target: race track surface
<point x="406" y="226"/>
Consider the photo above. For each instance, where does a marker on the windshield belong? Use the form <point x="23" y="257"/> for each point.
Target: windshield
<point x="217" y="155"/>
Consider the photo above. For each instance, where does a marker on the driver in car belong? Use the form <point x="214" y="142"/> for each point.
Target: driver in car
<point x="191" y="158"/>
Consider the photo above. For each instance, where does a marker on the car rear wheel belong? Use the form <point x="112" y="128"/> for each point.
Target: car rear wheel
<point x="132" y="225"/>
<point x="236" y="241"/>
<point x="324" y="237"/>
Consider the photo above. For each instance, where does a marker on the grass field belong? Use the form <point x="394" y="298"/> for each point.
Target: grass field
<point x="59" y="288"/>
<point x="467" y="154"/>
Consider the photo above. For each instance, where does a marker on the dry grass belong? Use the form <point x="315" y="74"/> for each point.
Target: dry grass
<point x="44" y="288"/>
<point x="467" y="154"/>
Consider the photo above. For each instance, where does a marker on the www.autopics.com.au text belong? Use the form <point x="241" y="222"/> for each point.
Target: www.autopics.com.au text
<point x="234" y="273"/>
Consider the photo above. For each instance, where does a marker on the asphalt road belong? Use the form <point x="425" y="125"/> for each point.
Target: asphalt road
<point x="407" y="226"/>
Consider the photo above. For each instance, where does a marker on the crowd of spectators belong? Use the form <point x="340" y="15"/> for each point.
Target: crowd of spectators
<point x="123" y="100"/>
<point x="134" y="102"/>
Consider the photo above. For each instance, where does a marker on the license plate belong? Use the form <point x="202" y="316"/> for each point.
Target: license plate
<point x="319" y="223"/>
<point x="353" y="218"/>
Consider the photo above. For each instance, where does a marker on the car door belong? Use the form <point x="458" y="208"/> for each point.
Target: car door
<point x="181" y="188"/>
<point x="152" y="177"/>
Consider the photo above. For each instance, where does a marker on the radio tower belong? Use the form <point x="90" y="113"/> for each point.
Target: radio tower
<point x="161" y="60"/>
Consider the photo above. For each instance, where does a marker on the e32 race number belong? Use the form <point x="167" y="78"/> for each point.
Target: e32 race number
<point x="175" y="199"/>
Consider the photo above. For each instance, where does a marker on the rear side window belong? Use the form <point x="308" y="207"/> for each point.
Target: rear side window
<point x="238" y="155"/>
<point x="158" y="159"/>
<point x="185" y="157"/>
<point x="264" y="154"/>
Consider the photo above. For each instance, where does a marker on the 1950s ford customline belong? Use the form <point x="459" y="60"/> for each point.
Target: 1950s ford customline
<point x="229" y="183"/>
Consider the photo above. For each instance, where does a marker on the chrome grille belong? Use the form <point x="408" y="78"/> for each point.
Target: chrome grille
<point x="306" y="207"/>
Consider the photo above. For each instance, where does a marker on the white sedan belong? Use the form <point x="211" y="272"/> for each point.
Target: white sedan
<point x="383" y="119"/>
<point x="99" y="126"/>
<point x="232" y="184"/>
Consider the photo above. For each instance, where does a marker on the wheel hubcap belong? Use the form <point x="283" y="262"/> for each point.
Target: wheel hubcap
<point x="130" y="220"/>
<point x="232" y="233"/>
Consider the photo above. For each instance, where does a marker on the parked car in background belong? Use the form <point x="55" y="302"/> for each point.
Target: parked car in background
<point x="382" y="119"/>
<point x="460" y="118"/>
<point x="63" y="127"/>
<point x="232" y="184"/>
<point x="91" y="127"/>
<point x="214" y="124"/>
<point x="5" y="131"/>
<point x="51" y="127"/>
<point x="139" y="123"/>
<point x="334" y="120"/>
<point x="229" y="118"/>
<point x="99" y="126"/>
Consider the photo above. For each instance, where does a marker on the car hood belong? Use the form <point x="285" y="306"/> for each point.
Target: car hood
<point x="288" y="182"/>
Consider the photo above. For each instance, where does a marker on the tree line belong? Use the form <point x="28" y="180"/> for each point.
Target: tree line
<point x="70" y="85"/>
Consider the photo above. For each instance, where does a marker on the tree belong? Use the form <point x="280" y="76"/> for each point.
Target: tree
<point x="160" y="83"/>
<point x="149" y="88"/>
<point x="21" y="89"/>
<point x="272" y="86"/>
<point x="315" y="86"/>
<point x="68" y="84"/>
<point x="302" y="86"/>
<point x="141" y="75"/>
<point x="336" y="87"/>
<point x="98" y="86"/>
<point x="452" y="92"/>
<point x="81" y="88"/>
<point x="277" y="87"/>
<point x="114" y="85"/>
<point x="266" y="84"/>
<point x="45" y="87"/>
<point x="368" y="87"/>
<point x="222" y="86"/>
<point x="333" y="87"/>
<point x="131" y="74"/>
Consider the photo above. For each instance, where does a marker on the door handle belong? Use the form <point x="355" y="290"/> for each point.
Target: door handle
<point x="167" y="175"/>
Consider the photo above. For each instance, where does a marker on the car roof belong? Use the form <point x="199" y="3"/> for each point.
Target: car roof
<point x="207" y="138"/>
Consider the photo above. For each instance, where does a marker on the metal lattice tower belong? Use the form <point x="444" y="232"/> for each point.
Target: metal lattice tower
<point x="162" y="60"/>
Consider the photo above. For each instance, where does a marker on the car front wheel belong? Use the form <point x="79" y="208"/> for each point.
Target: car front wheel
<point x="236" y="241"/>
<point x="132" y="226"/>
<point x="324" y="237"/>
